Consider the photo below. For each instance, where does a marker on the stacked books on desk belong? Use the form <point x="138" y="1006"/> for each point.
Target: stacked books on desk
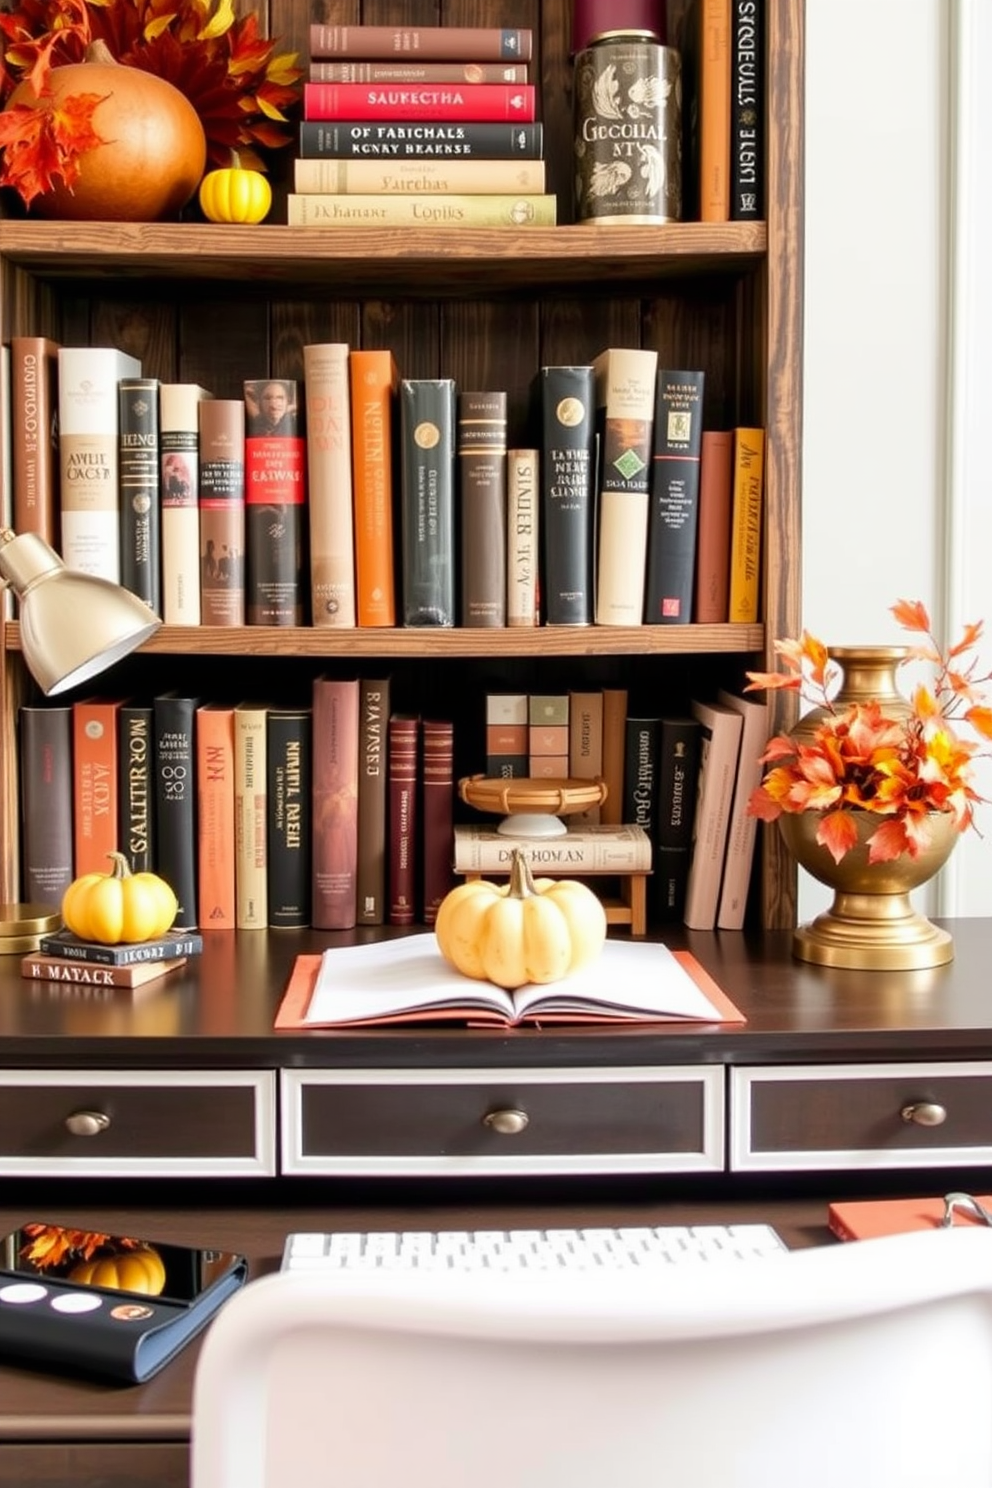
<point x="420" y="126"/>
<point x="64" y="958"/>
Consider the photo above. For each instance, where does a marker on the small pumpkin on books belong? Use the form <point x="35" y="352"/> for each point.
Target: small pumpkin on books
<point x="119" y="906"/>
<point x="521" y="931"/>
<point x="235" y="194"/>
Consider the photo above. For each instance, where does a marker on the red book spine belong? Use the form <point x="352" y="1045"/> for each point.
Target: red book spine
<point x="275" y="492"/>
<point x="438" y="807"/>
<point x="402" y="783"/>
<point x="335" y="803"/>
<point x="480" y="102"/>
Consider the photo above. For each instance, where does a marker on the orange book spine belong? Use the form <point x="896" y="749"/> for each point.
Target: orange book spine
<point x="714" y="111"/>
<point x="215" y="816"/>
<point x="614" y="736"/>
<point x="374" y="384"/>
<point x="94" y="753"/>
<point x="716" y="480"/>
<point x="746" y="522"/>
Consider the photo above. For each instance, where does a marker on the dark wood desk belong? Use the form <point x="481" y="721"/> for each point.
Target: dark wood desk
<point x="808" y="1101"/>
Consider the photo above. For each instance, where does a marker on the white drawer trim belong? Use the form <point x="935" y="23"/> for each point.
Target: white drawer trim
<point x="743" y="1159"/>
<point x="709" y="1160"/>
<point x="262" y="1162"/>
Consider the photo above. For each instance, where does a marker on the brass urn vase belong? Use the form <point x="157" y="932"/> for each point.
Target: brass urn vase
<point x="871" y="924"/>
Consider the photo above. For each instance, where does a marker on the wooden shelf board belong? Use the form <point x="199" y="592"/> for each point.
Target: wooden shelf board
<point x="398" y="259"/>
<point x="260" y="640"/>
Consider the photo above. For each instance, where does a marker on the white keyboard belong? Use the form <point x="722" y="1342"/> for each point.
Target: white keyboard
<point x="520" y="1250"/>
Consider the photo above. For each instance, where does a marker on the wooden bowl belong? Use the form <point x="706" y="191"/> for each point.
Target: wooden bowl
<point x="557" y="797"/>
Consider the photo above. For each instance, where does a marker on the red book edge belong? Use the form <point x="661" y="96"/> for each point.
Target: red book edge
<point x="291" y="1013"/>
<point x="867" y="1219"/>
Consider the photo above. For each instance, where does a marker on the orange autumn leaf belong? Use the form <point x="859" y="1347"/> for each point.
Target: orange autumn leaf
<point x="911" y="615"/>
<point x="838" y="833"/>
<point x="980" y="719"/>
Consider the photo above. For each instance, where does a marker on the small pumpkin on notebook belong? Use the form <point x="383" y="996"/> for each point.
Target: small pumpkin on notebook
<point x="520" y="932"/>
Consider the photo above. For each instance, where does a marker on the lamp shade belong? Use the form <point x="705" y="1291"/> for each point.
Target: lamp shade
<point x="73" y="625"/>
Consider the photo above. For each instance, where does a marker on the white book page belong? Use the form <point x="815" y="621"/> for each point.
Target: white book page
<point x="391" y="976"/>
<point x="636" y="978"/>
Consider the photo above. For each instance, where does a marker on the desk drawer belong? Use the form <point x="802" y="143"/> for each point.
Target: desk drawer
<point x="861" y="1116"/>
<point x="135" y="1123"/>
<point x="468" y="1121"/>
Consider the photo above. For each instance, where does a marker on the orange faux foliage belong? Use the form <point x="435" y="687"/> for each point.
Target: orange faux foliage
<point x="242" y="90"/>
<point x="859" y="759"/>
<point x="51" y="1245"/>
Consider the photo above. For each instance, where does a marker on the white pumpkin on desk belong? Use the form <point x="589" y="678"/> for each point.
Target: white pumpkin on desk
<point x="521" y="931"/>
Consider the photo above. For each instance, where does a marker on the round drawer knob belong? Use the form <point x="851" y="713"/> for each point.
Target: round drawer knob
<point x="507" y="1123"/>
<point x="924" y="1113"/>
<point x="87" y="1123"/>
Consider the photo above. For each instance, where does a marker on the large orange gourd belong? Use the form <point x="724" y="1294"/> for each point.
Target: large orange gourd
<point x="155" y="149"/>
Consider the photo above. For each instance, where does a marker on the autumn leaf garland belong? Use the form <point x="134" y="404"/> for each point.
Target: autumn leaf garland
<point x="240" y="87"/>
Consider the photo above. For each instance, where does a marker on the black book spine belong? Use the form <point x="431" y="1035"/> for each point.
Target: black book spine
<point x="70" y="948"/>
<point x="175" y="800"/>
<point x="673" y="514"/>
<point x="679" y="743"/>
<point x="135" y="795"/>
<point x="139" y="476"/>
<point x="362" y="140"/>
<point x="482" y="507"/>
<point x="567" y="411"/>
<point x="747" y="111"/>
<point x="288" y="858"/>
<point x="427" y="492"/>
<point x="640" y="773"/>
<point x="46" y="800"/>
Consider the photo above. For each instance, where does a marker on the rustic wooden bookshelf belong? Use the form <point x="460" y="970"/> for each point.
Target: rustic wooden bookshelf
<point x="216" y="304"/>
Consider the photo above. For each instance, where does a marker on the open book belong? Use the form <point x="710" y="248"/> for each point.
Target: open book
<point x="408" y="980"/>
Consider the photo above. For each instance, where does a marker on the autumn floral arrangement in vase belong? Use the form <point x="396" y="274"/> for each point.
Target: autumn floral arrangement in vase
<point x="871" y="789"/>
<point x="112" y="109"/>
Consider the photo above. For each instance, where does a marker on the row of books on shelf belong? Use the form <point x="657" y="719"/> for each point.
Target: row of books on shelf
<point x="458" y="85"/>
<point x="355" y="497"/>
<point x="343" y="812"/>
<point x="392" y="138"/>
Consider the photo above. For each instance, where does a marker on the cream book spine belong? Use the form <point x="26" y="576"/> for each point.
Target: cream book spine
<point x="251" y="902"/>
<point x="625" y="389"/>
<point x="89" y="432"/>
<point x="720" y="744"/>
<point x="332" y="538"/>
<point x="625" y="848"/>
<point x="427" y="177"/>
<point x="179" y="444"/>
<point x="523" y="499"/>
<point x="312" y="209"/>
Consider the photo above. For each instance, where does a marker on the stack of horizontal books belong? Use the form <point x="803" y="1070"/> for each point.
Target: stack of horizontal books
<point x="431" y="126"/>
<point x="65" y="959"/>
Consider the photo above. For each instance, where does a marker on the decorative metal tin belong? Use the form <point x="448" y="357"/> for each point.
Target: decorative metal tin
<point x="628" y="125"/>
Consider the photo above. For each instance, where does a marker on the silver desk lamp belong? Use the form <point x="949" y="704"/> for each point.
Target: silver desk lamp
<point x="73" y="625"/>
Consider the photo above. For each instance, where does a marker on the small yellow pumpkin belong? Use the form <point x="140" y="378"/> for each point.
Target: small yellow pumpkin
<point x="521" y="931"/>
<point x="119" y="905"/>
<point x="140" y="1269"/>
<point x="235" y="194"/>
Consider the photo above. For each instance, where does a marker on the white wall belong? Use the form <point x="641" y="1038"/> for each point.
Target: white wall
<point x="898" y="338"/>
